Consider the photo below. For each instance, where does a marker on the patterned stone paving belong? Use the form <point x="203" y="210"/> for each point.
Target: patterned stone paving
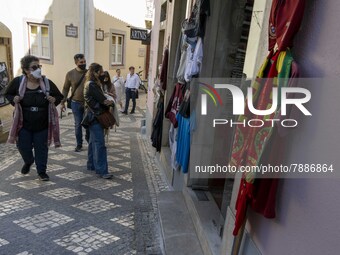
<point x="62" y="156"/>
<point x="62" y="193"/>
<point x="96" y="206"/>
<point x="14" y="205"/>
<point x="3" y="242"/>
<point x="125" y="164"/>
<point x="100" y="184"/>
<point x="78" y="162"/>
<point x="126" y="220"/>
<point x="43" y="221"/>
<point x="126" y="194"/>
<point x="25" y="253"/>
<point x="32" y="184"/>
<point x="86" y="240"/>
<point x="3" y="194"/>
<point x="125" y="177"/>
<point x="77" y="212"/>
<point x="113" y="169"/>
<point x="73" y="176"/>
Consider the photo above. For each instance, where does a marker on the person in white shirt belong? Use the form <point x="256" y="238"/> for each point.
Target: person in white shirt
<point x="118" y="82"/>
<point x="131" y="87"/>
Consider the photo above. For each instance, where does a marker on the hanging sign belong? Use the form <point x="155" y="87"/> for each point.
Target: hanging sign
<point x="138" y="34"/>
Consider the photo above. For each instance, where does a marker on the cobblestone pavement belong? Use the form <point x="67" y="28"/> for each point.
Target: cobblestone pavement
<point x="77" y="212"/>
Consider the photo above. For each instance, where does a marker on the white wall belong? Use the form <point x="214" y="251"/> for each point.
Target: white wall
<point x="153" y="62"/>
<point x="258" y="30"/>
<point x="308" y="209"/>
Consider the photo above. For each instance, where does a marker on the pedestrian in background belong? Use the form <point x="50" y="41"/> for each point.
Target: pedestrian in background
<point x="131" y="90"/>
<point x="96" y="103"/>
<point x="35" y="117"/>
<point x="108" y="88"/>
<point x="118" y="82"/>
<point x="110" y="94"/>
<point x="75" y="80"/>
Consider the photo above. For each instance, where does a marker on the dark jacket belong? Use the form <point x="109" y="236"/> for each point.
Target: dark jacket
<point x="94" y="103"/>
<point x="33" y="120"/>
<point x="157" y="126"/>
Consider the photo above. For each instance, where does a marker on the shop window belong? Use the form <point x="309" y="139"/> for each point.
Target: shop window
<point x="117" y="49"/>
<point x="39" y="40"/>
<point x="163" y="12"/>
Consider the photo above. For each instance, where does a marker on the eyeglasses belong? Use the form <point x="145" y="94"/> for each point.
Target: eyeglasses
<point x="35" y="67"/>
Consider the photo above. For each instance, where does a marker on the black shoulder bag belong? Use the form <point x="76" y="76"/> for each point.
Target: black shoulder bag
<point x="69" y="100"/>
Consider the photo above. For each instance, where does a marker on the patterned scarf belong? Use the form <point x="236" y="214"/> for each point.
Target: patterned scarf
<point x="250" y="142"/>
<point x="53" y="118"/>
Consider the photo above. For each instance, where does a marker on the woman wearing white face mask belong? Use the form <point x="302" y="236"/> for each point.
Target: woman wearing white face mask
<point x="35" y="118"/>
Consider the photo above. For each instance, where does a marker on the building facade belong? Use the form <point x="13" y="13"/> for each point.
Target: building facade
<point x="57" y="30"/>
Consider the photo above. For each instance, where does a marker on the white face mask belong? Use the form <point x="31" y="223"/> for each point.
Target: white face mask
<point x="36" y="73"/>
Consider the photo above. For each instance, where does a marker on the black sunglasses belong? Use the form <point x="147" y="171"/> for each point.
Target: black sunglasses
<point x="35" y="67"/>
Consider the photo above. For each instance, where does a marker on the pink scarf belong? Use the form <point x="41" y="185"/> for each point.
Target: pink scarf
<point x="53" y="118"/>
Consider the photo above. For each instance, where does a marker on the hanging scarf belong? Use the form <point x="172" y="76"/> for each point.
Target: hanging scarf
<point x="53" y="118"/>
<point x="16" y="125"/>
<point x="250" y="142"/>
<point x="284" y="22"/>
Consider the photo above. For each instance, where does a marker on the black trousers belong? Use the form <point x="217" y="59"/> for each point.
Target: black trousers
<point x="37" y="141"/>
<point x="130" y="94"/>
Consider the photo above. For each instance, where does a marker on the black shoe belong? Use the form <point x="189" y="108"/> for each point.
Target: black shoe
<point x="124" y="112"/>
<point x="26" y="168"/>
<point x="106" y="176"/>
<point x="78" y="148"/>
<point x="44" y="177"/>
<point x="132" y="112"/>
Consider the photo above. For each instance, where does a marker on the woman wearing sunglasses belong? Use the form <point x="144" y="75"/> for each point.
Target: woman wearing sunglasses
<point x="35" y="122"/>
<point x="96" y="103"/>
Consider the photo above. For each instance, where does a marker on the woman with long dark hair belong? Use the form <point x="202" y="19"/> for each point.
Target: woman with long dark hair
<point x="96" y="103"/>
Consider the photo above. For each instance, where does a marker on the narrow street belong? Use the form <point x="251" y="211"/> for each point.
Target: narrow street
<point x="76" y="212"/>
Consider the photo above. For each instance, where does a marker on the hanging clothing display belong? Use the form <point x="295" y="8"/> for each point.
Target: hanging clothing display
<point x="183" y="142"/>
<point x="195" y="25"/>
<point x="170" y="113"/>
<point x="284" y="22"/>
<point x="157" y="126"/>
<point x="183" y="60"/>
<point x="188" y="61"/>
<point x="173" y="136"/>
<point x="194" y="58"/>
<point x="174" y="104"/>
<point x="250" y="143"/>
<point x="263" y="145"/>
<point x="164" y="72"/>
<point x="185" y="127"/>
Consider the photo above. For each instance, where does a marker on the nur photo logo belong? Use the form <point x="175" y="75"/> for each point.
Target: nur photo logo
<point x="280" y="99"/>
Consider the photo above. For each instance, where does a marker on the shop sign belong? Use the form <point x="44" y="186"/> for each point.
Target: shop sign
<point x="138" y="34"/>
<point x="71" y="31"/>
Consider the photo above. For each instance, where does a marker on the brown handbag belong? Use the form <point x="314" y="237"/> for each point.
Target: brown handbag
<point x="106" y="119"/>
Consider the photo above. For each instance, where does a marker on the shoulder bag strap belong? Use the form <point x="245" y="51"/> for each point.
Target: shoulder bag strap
<point x="77" y="86"/>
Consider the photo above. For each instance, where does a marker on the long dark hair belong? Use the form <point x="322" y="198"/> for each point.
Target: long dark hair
<point x="108" y="83"/>
<point x="92" y="73"/>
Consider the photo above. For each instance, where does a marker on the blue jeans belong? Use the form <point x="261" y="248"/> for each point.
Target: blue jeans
<point x="97" y="155"/>
<point x="130" y="94"/>
<point x="29" y="140"/>
<point x="78" y="113"/>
